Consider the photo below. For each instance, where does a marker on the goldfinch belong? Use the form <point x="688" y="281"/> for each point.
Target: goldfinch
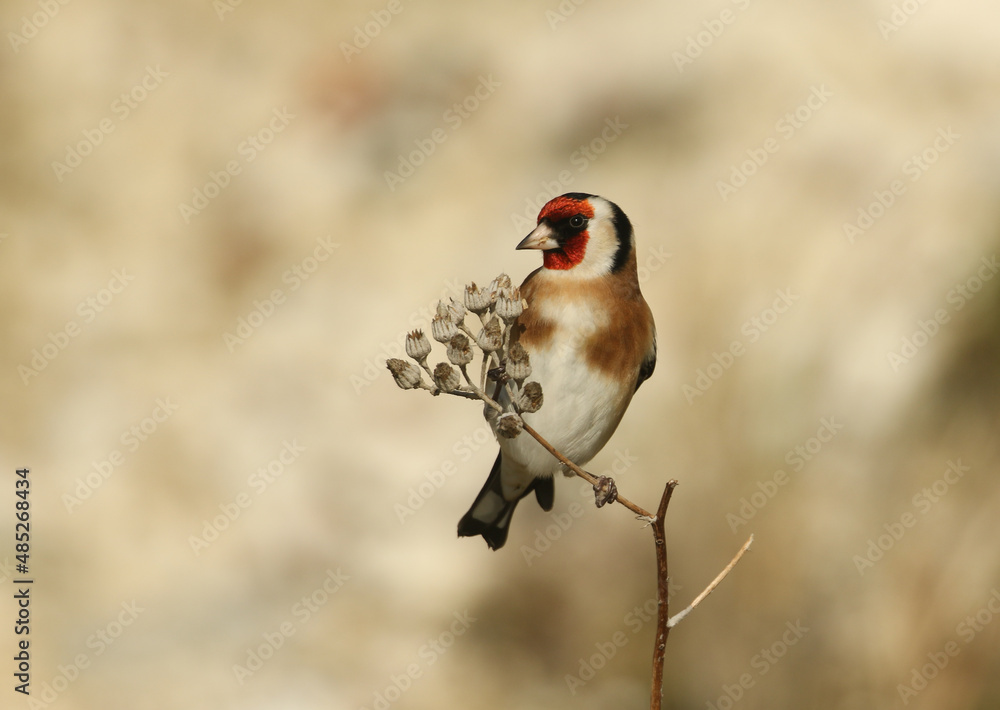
<point x="591" y="341"/>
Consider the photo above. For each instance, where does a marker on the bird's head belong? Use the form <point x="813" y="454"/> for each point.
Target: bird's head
<point x="585" y="234"/>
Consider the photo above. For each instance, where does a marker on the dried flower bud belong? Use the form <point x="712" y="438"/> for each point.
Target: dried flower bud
<point x="500" y="283"/>
<point x="509" y="425"/>
<point x="459" y="350"/>
<point x="443" y="328"/>
<point x="490" y="338"/>
<point x="605" y="491"/>
<point x="417" y="345"/>
<point x="509" y="304"/>
<point x="518" y="364"/>
<point x="446" y="377"/>
<point x="456" y="311"/>
<point x="531" y="397"/>
<point x="476" y="300"/>
<point x="406" y="374"/>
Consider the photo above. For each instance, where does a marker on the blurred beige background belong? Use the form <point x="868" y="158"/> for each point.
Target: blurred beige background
<point x="205" y="264"/>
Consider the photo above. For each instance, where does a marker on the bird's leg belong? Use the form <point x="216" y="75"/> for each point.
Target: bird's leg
<point x="498" y="374"/>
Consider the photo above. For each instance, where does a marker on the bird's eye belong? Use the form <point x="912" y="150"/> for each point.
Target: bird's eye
<point x="577" y="221"/>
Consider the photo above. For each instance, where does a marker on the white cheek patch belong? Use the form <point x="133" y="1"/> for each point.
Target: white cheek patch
<point x="602" y="244"/>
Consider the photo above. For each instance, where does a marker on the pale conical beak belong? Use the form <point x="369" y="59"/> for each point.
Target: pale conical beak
<point x="541" y="237"/>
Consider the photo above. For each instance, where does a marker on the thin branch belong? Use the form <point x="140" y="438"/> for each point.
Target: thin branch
<point x="662" y="595"/>
<point x="589" y="478"/>
<point x="712" y="585"/>
<point x="479" y="393"/>
<point x="487" y="356"/>
<point x="468" y="394"/>
<point x="427" y="368"/>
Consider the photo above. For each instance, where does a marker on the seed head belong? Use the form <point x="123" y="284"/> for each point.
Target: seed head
<point x="497" y="285"/>
<point x="417" y="345"/>
<point x="518" y="364"/>
<point x="459" y="350"/>
<point x="509" y="425"/>
<point x="531" y="397"/>
<point x="443" y="328"/>
<point x="509" y="304"/>
<point x="446" y="377"/>
<point x="490" y="338"/>
<point x="406" y="374"/>
<point x="456" y="311"/>
<point x="476" y="300"/>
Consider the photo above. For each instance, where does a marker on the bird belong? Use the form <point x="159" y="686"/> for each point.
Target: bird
<point x="591" y="341"/>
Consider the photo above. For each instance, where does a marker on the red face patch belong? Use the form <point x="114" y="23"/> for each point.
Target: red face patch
<point x="564" y="207"/>
<point x="571" y="253"/>
<point x="574" y="248"/>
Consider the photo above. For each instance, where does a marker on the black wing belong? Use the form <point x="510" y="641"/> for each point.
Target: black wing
<point x="647" y="366"/>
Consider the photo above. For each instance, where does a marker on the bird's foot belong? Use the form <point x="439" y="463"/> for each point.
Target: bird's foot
<point x="605" y="491"/>
<point x="498" y="374"/>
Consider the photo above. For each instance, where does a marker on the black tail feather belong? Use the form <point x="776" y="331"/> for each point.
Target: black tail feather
<point x="490" y="514"/>
<point x="545" y="492"/>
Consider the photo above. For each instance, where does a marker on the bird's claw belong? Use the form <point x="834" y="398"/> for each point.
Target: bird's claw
<point x="498" y="374"/>
<point x="605" y="491"/>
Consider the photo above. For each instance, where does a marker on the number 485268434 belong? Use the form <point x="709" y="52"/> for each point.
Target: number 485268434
<point x="22" y="527"/>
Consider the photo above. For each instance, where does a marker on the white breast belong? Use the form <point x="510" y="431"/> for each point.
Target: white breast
<point x="582" y="407"/>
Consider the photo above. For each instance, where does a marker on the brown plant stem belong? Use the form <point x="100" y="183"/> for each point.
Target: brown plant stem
<point x="664" y="622"/>
<point x="662" y="596"/>
<point x="589" y="478"/>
